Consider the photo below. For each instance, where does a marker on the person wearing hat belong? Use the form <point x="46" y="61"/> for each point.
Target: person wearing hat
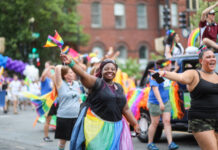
<point x="208" y="27"/>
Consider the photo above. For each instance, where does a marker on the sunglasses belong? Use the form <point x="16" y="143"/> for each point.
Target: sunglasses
<point x="212" y="14"/>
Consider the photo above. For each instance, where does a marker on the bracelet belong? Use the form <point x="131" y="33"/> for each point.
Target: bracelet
<point x="164" y="74"/>
<point x="71" y="64"/>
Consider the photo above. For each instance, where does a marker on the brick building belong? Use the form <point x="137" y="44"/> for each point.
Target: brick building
<point x="130" y="26"/>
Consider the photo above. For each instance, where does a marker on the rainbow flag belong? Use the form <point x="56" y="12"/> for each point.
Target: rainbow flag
<point x="54" y="41"/>
<point x="50" y="43"/>
<point x="42" y="103"/>
<point x="65" y="50"/>
<point x="58" y="39"/>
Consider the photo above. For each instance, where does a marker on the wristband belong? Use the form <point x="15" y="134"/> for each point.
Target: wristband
<point x="164" y="74"/>
<point x="71" y="64"/>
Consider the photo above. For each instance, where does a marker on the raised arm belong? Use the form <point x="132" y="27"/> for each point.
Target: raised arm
<point x="186" y="77"/>
<point x="207" y="10"/>
<point x="45" y="72"/>
<point x="87" y="80"/>
<point x="57" y="77"/>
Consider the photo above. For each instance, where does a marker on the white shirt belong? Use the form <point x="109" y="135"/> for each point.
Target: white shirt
<point x="15" y="87"/>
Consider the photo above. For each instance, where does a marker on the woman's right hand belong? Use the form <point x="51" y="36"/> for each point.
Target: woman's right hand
<point x="66" y="58"/>
<point x="162" y="107"/>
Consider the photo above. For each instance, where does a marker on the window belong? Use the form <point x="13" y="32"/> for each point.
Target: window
<point x="187" y="4"/>
<point x="161" y="17"/>
<point x="119" y="13"/>
<point x="96" y="14"/>
<point x="99" y="50"/>
<point x="143" y="52"/>
<point x="174" y="15"/>
<point x="192" y="4"/>
<point x="142" y="16"/>
<point x="123" y="52"/>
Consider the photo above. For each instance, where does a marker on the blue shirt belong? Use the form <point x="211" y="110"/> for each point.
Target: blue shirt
<point x="46" y="86"/>
<point x="163" y="89"/>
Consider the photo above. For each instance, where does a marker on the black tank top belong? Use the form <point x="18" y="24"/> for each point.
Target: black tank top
<point x="204" y="100"/>
<point x="107" y="102"/>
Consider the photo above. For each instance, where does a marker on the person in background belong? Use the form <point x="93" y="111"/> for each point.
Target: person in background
<point x="173" y="48"/>
<point x="208" y="27"/>
<point x="69" y="103"/>
<point x="202" y="85"/>
<point x="159" y="106"/>
<point x="22" y="100"/>
<point x="46" y="87"/>
<point x="14" y="88"/>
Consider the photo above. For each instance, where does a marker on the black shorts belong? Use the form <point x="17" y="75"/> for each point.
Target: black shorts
<point x="53" y="110"/>
<point x="64" y="128"/>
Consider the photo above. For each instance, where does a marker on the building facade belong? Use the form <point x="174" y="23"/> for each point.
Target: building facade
<point x="129" y="26"/>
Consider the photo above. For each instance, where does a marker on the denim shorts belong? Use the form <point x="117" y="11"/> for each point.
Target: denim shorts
<point x="200" y="125"/>
<point x="154" y="109"/>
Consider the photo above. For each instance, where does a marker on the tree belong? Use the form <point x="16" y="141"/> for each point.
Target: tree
<point x="19" y="18"/>
<point x="131" y="67"/>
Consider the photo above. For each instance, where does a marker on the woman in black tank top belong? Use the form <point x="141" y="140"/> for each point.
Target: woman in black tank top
<point x="203" y="87"/>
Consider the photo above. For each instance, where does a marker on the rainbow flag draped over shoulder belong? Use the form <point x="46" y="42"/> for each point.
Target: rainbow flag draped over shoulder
<point x="42" y="103"/>
<point x="54" y="41"/>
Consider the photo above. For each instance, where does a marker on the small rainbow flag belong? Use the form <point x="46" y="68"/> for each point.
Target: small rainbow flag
<point x="42" y="103"/>
<point x="49" y="43"/>
<point x="65" y="50"/>
<point x="54" y="41"/>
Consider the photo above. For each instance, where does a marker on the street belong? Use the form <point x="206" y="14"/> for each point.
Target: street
<point x="17" y="133"/>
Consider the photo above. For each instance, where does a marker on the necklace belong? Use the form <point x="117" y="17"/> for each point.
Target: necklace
<point x="207" y="72"/>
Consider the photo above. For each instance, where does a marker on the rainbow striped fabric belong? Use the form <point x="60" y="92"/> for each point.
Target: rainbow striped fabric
<point x="54" y="41"/>
<point x="65" y="50"/>
<point x="138" y="98"/>
<point x="99" y="134"/>
<point x="42" y="103"/>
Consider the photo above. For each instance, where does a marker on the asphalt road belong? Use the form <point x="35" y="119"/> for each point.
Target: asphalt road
<point x="17" y="133"/>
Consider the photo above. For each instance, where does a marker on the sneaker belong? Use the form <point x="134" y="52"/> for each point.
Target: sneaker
<point x="47" y="139"/>
<point x="152" y="146"/>
<point x="133" y="134"/>
<point x="173" y="146"/>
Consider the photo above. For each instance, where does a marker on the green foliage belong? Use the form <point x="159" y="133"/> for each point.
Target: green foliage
<point x="49" y="15"/>
<point x="156" y="57"/>
<point x="131" y="67"/>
